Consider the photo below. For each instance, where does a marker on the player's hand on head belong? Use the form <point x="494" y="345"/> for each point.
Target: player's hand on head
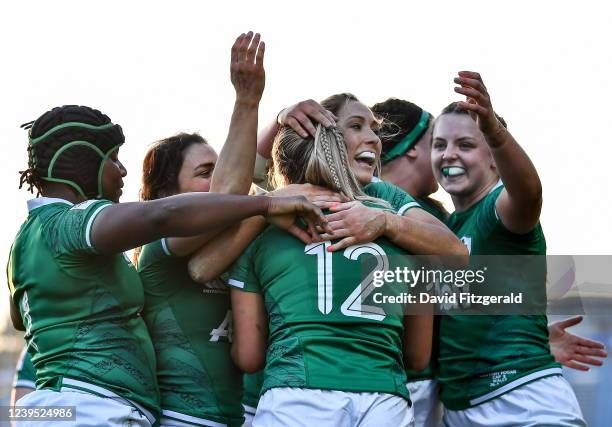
<point x="283" y="212"/>
<point x="478" y="101"/>
<point x="304" y="116"/>
<point x="246" y="68"/>
<point x="572" y="350"/>
<point x="354" y="223"/>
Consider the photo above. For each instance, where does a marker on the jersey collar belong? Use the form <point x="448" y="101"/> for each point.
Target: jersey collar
<point x="43" y="201"/>
<point x="496" y="186"/>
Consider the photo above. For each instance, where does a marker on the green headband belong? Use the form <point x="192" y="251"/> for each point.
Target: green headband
<point x="104" y="156"/>
<point x="409" y="140"/>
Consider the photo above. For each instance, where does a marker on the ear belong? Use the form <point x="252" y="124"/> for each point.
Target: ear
<point x="492" y="165"/>
<point x="411" y="153"/>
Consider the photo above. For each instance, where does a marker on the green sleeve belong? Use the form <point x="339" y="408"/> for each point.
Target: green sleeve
<point x="400" y="201"/>
<point x="69" y="232"/>
<point x="487" y="213"/>
<point x="242" y="274"/>
<point x="159" y="270"/>
<point x="153" y="253"/>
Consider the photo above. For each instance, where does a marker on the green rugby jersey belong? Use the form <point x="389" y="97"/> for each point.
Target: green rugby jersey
<point x="190" y="326"/>
<point x="81" y="310"/>
<point x="484" y="356"/>
<point x="399" y="200"/>
<point x="328" y="329"/>
<point x="432" y="209"/>
<point x="25" y="374"/>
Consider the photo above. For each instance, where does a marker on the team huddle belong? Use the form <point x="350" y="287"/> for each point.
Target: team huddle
<point x="245" y="302"/>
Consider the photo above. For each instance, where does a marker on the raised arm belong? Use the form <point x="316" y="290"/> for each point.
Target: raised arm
<point x="233" y="171"/>
<point x="520" y="203"/>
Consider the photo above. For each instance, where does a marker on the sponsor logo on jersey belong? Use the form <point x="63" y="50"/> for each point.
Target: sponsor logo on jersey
<point x="83" y="205"/>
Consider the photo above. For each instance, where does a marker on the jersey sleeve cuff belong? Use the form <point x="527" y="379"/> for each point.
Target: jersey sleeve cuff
<point x="401" y="211"/>
<point x="90" y="222"/>
<point x="236" y="283"/>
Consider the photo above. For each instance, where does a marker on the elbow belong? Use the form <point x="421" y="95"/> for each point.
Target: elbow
<point x="246" y="361"/>
<point x="417" y="362"/>
<point x="457" y="255"/>
<point x="198" y="272"/>
<point x="461" y="255"/>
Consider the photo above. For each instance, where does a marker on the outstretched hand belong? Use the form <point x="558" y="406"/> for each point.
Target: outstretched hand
<point x="478" y="102"/>
<point x="572" y="350"/>
<point x="283" y="212"/>
<point x="304" y="116"/>
<point x="246" y="69"/>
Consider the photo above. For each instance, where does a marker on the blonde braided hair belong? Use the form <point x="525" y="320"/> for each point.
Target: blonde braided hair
<point x="322" y="160"/>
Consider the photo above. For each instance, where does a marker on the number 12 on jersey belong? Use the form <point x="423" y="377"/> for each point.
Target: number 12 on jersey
<point x="353" y="305"/>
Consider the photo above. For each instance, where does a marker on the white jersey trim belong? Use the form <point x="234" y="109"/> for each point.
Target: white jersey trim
<point x="25" y="383"/>
<point x="249" y="409"/>
<point x="83" y="386"/>
<point x="90" y="223"/>
<point x="499" y="184"/>
<point x="190" y="418"/>
<point x="236" y="283"/>
<point x="516" y="383"/>
<point x="43" y="201"/>
<point x="21" y="359"/>
<point x="164" y="245"/>
<point x="407" y="206"/>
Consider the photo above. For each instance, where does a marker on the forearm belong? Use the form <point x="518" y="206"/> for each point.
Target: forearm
<point x="126" y="225"/>
<point x="418" y="340"/>
<point x="516" y="170"/>
<point x="265" y="139"/>
<point x="216" y="256"/>
<point x="234" y="169"/>
<point x="183" y="246"/>
<point x="423" y="238"/>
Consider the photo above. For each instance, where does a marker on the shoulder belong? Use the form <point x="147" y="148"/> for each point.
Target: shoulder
<point x="399" y="200"/>
<point x="152" y="253"/>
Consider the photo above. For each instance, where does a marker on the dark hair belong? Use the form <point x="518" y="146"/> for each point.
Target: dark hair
<point x="69" y="144"/>
<point x="162" y="164"/>
<point x="400" y="117"/>
<point x="454" y="108"/>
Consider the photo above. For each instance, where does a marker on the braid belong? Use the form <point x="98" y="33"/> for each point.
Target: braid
<point x="325" y="144"/>
<point x="342" y="146"/>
